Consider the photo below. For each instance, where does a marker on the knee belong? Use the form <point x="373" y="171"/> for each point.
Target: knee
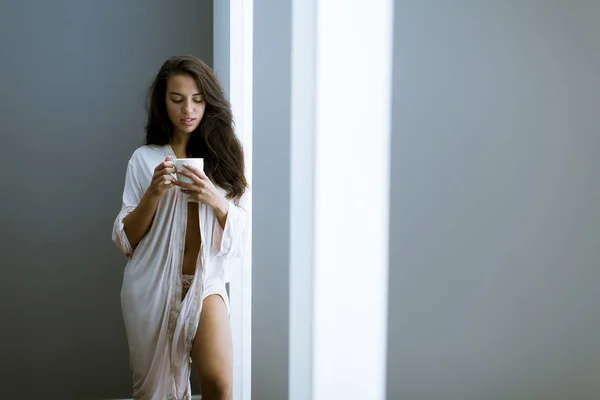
<point x="219" y="385"/>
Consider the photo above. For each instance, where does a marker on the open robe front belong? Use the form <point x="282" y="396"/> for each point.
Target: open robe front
<point x="160" y="326"/>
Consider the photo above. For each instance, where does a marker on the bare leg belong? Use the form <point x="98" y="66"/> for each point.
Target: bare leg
<point x="212" y="352"/>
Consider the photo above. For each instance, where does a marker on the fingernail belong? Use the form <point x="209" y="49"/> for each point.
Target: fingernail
<point x="184" y="165"/>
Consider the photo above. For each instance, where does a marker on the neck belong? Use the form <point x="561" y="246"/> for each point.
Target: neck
<point x="179" y="144"/>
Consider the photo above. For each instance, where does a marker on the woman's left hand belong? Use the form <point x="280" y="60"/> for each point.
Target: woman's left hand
<point x="202" y="189"/>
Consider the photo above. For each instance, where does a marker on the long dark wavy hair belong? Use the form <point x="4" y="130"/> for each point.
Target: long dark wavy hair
<point x="214" y="139"/>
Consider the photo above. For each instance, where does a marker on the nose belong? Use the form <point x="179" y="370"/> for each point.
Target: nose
<point x="188" y="107"/>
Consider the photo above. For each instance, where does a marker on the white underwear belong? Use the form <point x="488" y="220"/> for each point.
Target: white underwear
<point x="186" y="282"/>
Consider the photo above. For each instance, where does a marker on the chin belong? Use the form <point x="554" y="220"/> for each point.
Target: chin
<point x="188" y="129"/>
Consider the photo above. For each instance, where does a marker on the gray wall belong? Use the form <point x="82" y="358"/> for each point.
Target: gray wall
<point x="221" y="37"/>
<point x="73" y="79"/>
<point x="270" y="201"/>
<point x="495" y="219"/>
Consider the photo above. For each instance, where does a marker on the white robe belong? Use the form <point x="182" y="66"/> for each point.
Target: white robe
<point x="159" y="326"/>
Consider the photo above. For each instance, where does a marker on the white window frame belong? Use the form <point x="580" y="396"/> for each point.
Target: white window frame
<point x="329" y="334"/>
<point x="341" y="91"/>
<point x="240" y="96"/>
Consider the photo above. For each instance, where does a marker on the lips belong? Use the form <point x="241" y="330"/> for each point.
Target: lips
<point x="188" y="121"/>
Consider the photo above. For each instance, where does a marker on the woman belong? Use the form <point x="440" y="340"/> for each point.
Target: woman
<point x="182" y="239"/>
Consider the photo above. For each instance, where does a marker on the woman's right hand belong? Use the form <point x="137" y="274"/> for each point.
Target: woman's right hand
<point x="162" y="180"/>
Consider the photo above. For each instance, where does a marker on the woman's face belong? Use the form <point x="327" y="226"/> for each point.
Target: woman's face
<point x="185" y="103"/>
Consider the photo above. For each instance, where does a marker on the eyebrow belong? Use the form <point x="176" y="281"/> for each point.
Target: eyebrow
<point x="179" y="94"/>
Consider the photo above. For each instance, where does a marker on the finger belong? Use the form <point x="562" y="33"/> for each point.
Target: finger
<point x="163" y="165"/>
<point x="169" y="170"/>
<point x="163" y="179"/>
<point x="171" y="164"/>
<point x="184" y="185"/>
<point x="195" y="171"/>
<point x="190" y="174"/>
<point x="162" y="176"/>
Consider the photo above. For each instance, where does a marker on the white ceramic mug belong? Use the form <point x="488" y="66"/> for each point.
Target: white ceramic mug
<point x="192" y="162"/>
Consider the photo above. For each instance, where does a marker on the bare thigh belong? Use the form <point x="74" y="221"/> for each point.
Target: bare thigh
<point x="212" y="353"/>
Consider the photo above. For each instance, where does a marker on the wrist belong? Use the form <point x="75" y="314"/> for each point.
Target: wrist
<point x="151" y="195"/>
<point x="222" y="208"/>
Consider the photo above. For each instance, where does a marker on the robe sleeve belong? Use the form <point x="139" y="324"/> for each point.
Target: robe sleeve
<point x="230" y="242"/>
<point x="132" y="195"/>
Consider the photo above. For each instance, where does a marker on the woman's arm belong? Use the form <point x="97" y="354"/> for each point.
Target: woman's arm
<point x="232" y="218"/>
<point x="138" y="222"/>
<point x="221" y="211"/>
<point x="139" y="205"/>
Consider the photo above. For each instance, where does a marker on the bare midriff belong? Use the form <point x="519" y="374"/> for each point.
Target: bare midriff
<point x="192" y="240"/>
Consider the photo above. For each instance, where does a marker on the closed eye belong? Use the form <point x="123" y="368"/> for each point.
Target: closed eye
<point x="197" y="101"/>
